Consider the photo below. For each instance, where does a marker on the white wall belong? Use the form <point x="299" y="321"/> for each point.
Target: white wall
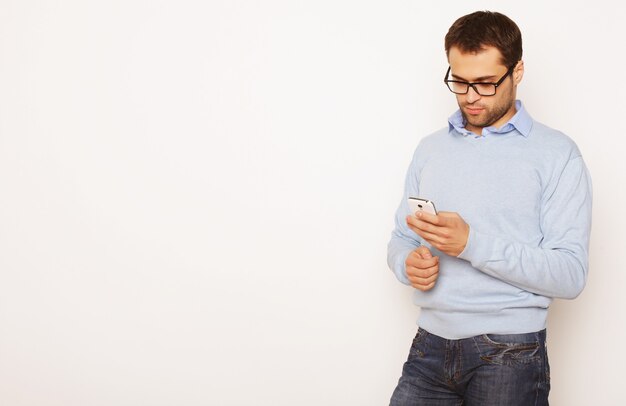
<point x="195" y="197"/>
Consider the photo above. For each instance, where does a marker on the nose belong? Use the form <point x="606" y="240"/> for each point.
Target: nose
<point x="472" y="95"/>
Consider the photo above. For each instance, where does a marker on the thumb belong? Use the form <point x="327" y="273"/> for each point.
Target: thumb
<point x="424" y="252"/>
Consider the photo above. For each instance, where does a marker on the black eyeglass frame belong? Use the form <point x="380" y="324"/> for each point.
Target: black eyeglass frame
<point x="473" y="84"/>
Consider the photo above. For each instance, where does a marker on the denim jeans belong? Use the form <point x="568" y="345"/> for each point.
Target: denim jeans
<point x="486" y="370"/>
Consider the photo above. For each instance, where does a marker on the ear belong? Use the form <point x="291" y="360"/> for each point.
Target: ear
<point x="518" y="72"/>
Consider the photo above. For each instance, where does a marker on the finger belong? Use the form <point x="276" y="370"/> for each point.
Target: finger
<point x="419" y="227"/>
<point x="422" y="273"/>
<point x="414" y="229"/>
<point x="422" y="226"/>
<point x="424" y="281"/>
<point x="432" y="238"/>
<point x="415" y="261"/>
<point x="411" y="221"/>
<point x="424" y="288"/>
<point x="418" y="220"/>
<point x="427" y="217"/>
<point x="420" y="263"/>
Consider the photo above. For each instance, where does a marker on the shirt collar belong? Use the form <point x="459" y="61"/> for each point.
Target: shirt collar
<point x="521" y="121"/>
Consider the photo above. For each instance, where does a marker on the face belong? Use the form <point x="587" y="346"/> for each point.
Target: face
<point x="484" y="66"/>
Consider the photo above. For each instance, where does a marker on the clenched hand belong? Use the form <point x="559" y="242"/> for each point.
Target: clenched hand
<point x="422" y="268"/>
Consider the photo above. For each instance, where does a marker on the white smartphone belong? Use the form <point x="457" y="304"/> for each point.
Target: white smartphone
<point x="416" y="204"/>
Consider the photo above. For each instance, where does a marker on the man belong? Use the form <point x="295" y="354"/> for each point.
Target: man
<point x="511" y="234"/>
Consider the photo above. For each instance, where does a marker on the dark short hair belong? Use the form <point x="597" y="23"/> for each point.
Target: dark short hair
<point x="475" y="31"/>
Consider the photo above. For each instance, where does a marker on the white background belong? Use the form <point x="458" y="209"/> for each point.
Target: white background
<point x="196" y="196"/>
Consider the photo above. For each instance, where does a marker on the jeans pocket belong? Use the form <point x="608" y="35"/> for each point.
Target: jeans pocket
<point x="512" y="350"/>
<point x="417" y="347"/>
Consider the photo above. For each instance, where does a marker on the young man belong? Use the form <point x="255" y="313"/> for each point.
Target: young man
<point x="512" y="232"/>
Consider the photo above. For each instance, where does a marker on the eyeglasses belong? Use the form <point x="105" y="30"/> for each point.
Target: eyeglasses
<point x="482" y="88"/>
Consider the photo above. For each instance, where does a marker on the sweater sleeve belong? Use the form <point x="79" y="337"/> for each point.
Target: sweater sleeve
<point x="403" y="239"/>
<point x="558" y="266"/>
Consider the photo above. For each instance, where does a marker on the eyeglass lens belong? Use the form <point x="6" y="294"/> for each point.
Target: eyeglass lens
<point x="483" y="89"/>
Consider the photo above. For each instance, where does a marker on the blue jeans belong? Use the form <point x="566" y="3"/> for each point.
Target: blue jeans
<point x="486" y="370"/>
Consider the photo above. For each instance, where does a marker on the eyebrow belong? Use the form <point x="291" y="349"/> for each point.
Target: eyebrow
<point x="477" y="80"/>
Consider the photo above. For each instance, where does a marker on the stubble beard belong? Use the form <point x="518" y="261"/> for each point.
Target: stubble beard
<point x="491" y="115"/>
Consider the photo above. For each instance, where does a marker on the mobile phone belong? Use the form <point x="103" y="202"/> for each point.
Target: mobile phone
<point x="417" y="204"/>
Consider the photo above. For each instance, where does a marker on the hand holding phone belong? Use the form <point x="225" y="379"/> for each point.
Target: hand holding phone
<point x="447" y="232"/>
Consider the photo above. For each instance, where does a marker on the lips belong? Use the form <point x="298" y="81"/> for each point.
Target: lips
<point x="473" y="110"/>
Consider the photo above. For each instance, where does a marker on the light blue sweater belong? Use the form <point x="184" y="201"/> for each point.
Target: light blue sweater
<point x="526" y="194"/>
